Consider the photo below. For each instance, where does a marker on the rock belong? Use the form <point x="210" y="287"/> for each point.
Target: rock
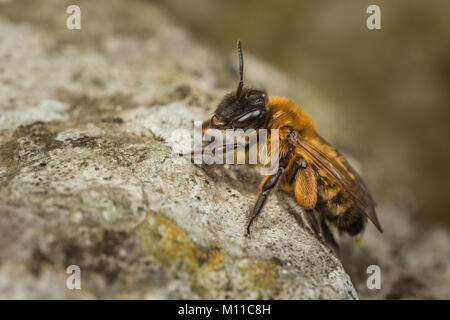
<point x="88" y="176"/>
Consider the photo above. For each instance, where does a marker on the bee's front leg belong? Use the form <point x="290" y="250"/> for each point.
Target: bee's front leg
<point x="268" y="184"/>
<point x="225" y="149"/>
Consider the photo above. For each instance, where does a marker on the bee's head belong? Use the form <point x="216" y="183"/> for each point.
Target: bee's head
<point x="243" y="112"/>
<point x="243" y="109"/>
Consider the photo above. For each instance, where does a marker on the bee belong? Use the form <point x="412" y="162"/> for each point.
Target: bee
<point x="319" y="178"/>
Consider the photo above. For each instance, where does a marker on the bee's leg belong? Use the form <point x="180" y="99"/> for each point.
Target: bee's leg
<point x="267" y="186"/>
<point x="299" y="164"/>
<point x="315" y="222"/>
<point x="192" y="153"/>
<point x="328" y="236"/>
<point x="305" y="193"/>
<point x="226" y="148"/>
<point x="320" y="228"/>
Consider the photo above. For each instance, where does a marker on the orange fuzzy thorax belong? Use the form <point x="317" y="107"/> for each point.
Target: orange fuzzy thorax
<point x="283" y="113"/>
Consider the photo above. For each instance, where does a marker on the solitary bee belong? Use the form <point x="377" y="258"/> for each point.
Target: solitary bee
<point x="322" y="182"/>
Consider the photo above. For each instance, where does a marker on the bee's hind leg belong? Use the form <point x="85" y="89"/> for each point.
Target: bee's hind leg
<point x="320" y="228"/>
<point x="328" y="235"/>
<point x="314" y="221"/>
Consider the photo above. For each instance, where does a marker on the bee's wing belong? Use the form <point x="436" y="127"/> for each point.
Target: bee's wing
<point x="342" y="173"/>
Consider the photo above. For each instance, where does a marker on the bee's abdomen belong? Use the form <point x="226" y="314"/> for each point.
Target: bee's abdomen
<point x="352" y="222"/>
<point x="338" y="208"/>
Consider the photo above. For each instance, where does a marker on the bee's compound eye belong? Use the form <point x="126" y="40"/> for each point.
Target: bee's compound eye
<point x="249" y="116"/>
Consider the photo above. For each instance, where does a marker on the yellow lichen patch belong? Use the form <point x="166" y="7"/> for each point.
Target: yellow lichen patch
<point x="170" y="244"/>
<point x="212" y="272"/>
<point x="261" y="273"/>
<point x="215" y="259"/>
<point x="166" y="241"/>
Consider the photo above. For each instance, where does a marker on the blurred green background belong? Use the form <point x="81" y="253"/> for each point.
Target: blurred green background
<point x="392" y="85"/>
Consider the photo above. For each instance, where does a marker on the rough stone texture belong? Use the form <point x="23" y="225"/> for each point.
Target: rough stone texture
<point x="88" y="177"/>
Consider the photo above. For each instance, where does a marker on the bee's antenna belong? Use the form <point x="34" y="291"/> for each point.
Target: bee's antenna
<point x="241" y="69"/>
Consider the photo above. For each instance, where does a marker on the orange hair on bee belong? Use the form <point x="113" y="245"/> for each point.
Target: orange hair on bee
<point x="285" y="113"/>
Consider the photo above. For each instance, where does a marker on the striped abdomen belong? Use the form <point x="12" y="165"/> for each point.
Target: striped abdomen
<point x="338" y="208"/>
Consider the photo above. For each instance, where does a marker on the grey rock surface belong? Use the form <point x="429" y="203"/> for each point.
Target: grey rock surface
<point x="88" y="176"/>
